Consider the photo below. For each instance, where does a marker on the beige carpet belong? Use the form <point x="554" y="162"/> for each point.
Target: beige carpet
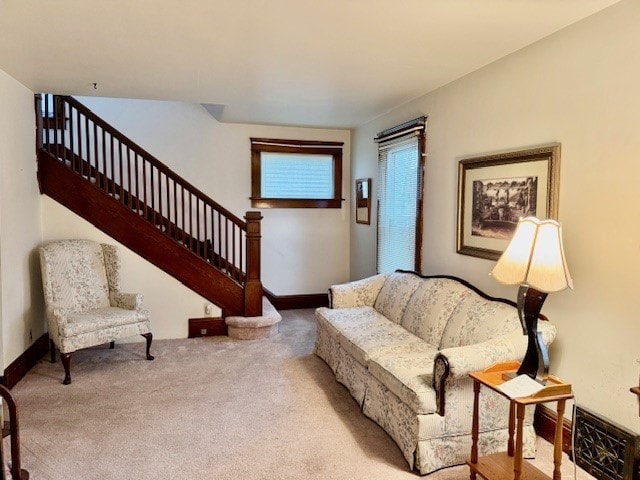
<point x="210" y="408"/>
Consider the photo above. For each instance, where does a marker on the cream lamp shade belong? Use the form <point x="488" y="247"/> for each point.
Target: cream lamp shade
<point x="535" y="257"/>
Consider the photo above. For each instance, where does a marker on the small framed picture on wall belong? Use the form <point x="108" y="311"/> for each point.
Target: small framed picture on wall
<point x="363" y="201"/>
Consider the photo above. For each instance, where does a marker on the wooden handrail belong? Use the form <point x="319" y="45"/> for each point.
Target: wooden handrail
<point x="114" y="164"/>
<point x="203" y="248"/>
<point x="149" y="157"/>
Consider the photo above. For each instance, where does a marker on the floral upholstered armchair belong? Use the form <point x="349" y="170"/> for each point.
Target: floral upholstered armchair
<point x="85" y="307"/>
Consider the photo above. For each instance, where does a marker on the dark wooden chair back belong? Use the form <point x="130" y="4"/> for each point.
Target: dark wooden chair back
<point x="11" y="427"/>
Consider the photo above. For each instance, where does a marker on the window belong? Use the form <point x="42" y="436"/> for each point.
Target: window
<point x="296" y="174"/>
<point x="401" y="165"/>
<point x="52" y="111"/>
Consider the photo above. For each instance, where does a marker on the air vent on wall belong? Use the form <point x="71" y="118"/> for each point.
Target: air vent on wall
<point x="603" y="449"/>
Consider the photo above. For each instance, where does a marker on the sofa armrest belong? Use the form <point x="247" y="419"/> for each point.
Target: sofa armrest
<point x="455" y="363"/>
<point x="361" y="293"/>
<point x="458" y="362"/>
<point x="128" y="301"/>
<point x="472" y="358"/>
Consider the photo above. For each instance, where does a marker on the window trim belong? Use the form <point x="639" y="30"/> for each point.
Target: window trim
<point x="307" y="147"/>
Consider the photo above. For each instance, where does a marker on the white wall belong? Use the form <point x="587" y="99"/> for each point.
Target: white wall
<point x="21" y="303"/>
<point x="169" y="302"/>
<point x="578" y="87"/>
<point x="303" y="250"/>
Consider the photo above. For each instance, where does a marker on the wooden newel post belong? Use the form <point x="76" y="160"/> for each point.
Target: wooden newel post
<point x="253" y="285"/>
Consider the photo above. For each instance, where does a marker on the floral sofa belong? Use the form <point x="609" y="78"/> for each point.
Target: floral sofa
<point x="404" y="345"/>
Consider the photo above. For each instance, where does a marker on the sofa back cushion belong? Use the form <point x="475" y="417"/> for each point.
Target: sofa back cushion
<point x="430" y="307"/>
<point x="477" y="320"/>
<point x="395" y="294"/>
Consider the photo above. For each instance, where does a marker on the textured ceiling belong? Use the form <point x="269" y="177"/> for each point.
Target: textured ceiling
<point x="329" y="63"/>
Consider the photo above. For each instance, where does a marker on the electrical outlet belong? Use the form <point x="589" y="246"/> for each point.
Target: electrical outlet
<point x="203" y="331"/>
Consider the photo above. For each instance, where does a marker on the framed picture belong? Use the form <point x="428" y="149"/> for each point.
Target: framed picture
<point x="363" y="201"/>
<point x="494" y="191"/>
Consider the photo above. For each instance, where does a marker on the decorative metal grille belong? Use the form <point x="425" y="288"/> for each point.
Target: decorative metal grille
<point x="603" y="449"/>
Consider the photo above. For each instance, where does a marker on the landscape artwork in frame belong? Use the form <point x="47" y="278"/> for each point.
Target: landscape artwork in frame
<point x="495" y="191"/>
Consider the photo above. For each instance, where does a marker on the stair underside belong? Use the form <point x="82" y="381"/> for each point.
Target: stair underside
<point x="132" y="230"/>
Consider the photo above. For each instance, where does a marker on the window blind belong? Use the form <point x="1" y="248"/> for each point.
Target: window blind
<point x="397" y="206"/>
<point x="286" y="175"/>
<point x="399" y="236"/>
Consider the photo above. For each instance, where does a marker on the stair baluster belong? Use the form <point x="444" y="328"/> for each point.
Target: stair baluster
<point x="111" y="163"/>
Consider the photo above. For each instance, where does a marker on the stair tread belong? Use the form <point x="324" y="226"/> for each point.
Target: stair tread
<point x="270" y="316"/>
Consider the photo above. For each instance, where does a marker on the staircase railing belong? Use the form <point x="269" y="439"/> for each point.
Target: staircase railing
<point x="113" y="163"/>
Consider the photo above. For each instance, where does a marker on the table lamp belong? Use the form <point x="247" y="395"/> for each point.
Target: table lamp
<point x="535" y="260"/>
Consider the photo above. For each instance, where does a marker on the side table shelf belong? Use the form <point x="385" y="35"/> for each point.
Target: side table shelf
<point x="510" y="465"/>
<point x="500" y="465"/>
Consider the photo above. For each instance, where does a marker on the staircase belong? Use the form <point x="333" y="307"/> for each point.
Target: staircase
<point x="97" y="172"/>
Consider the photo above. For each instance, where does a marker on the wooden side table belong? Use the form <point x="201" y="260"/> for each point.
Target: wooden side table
<point x="510" y="465"/>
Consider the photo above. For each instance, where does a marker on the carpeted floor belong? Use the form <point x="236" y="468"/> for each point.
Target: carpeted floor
<point x="208" y="408"/>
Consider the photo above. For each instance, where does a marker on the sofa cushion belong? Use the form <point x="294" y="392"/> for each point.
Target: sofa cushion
<point x="395" y="294"/>
<point x="477" y="319"/>
<point x="407" y="371"/>
<point x="99" y="319"/>
<point x="367" y="340"/>
<point x="334" y="320"/>
<point x="430" y="307"/>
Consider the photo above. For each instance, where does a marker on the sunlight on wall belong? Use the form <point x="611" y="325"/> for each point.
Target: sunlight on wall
<point x="577" y="87"/>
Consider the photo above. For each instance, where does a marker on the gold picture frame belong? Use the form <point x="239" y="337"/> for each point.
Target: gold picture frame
<point x="363" y="201"/>
<point x="495" y="190"/>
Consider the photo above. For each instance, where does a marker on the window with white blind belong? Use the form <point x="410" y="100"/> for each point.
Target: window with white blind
<point x="296" y="174"/>
<point x="400" y="163"/>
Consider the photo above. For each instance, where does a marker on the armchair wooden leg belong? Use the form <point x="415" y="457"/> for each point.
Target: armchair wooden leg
<point x="66" y="363"/>
<point x="112" y="345"/>
<point x="52" y="351"/>
<point x="149" y="338"/>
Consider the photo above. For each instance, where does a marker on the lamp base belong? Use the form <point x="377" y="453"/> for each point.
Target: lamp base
<point x="536" y="359"/>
